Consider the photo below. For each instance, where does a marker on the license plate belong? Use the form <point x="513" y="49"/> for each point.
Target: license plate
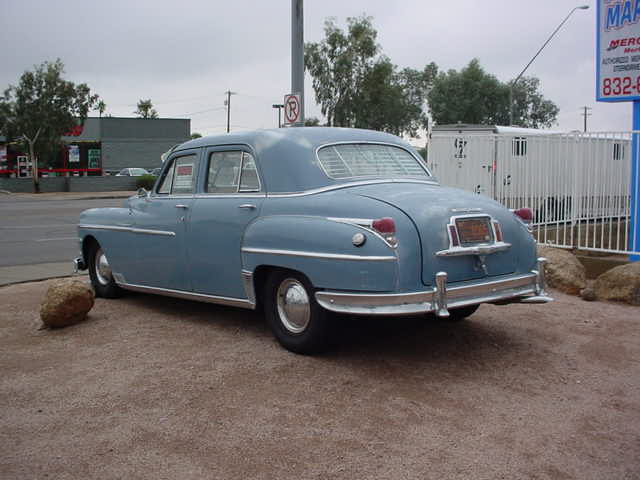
<point x="473" y="230"/>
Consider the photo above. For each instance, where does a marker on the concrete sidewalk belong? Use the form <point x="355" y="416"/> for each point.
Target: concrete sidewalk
<point x="41" y="271"/>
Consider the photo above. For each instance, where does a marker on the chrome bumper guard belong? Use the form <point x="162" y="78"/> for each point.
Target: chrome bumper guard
<point x="528" y="288"/>
<point x="78" y="264"/>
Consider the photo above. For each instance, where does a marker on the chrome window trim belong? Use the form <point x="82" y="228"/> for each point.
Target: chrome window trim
<point x="327" y="256"/>
<point x="420" y="160"/>
<point x="166" y="233"/>
<point x="201" y="297"/>
<point x="340" y="186"/>
<point x="231" y="195"/>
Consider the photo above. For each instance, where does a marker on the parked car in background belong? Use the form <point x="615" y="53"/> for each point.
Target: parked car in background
<point x="307" y="222"/>
<point x="156" y="171"/>
<point x="132" y="172"/>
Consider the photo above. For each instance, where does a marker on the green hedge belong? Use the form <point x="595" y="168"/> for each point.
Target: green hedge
<point x="145" y="181"/>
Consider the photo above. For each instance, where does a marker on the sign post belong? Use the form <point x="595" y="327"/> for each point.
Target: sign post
<point x="618" y="80"/>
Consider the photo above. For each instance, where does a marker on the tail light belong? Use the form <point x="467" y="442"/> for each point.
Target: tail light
<point x="526" y="215"/>
<point x="387" y="228"/>
<point x="453" y="233"/>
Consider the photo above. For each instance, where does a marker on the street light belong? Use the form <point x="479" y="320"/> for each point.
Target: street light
<point x="278" y="106"/>
<point x="513" y="84"/>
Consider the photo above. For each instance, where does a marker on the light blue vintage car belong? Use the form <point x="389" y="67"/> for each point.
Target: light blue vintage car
<point x="304" y="222"/>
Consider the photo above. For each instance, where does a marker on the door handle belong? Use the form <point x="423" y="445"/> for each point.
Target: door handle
<point x="182" y="206"/>
<point x="249" y="206"/>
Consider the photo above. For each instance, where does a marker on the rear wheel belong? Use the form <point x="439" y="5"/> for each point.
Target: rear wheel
<point x="458" y="314"/>
<point x="296" y="320"/>
<point x="101" y="275"/>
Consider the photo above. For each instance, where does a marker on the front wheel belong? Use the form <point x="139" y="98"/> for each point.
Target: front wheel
<point x="101" y="276"/>
<point x="296" y="320"/>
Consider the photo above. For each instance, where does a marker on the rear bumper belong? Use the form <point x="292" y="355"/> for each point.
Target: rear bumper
<point x="528" y="288"/>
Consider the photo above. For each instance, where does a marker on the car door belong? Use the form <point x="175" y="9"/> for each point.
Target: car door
<point x="232" y="198"/>
<point x="160" y="224"/>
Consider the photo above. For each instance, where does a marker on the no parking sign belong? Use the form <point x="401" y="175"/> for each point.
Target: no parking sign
<point x="292" y="109"/>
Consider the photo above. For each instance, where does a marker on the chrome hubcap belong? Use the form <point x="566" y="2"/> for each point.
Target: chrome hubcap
<point x="103" y="270"/>
<point x="294" y="307"/>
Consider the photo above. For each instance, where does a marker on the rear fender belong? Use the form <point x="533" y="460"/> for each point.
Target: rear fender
<point x="323" y="250"/>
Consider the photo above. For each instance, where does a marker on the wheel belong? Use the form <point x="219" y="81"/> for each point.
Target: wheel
<point x="458" y="314"/>
<point x="296" y="320"/>
<point x="100" y="274"/>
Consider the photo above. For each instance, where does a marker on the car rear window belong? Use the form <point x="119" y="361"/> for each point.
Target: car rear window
<point x="369" y="160"/>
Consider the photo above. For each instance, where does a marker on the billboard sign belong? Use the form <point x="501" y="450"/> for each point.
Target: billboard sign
<point x="618" y="50"/>
<point x="74" y="154"/>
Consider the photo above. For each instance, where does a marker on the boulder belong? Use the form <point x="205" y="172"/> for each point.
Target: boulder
<point x="620" y="283"/>
<point x="66" y="302"/>
<point x="563" y="270"/>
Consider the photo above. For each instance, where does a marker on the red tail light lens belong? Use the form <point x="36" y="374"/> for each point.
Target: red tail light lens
<point x="453" y="233"/>
<point x="387" y="228"/>
<point x="525" y="214"/>
<point x="384" y="225"/>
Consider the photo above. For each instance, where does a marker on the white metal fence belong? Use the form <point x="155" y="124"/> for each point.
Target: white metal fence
<point x="578" y="185"/>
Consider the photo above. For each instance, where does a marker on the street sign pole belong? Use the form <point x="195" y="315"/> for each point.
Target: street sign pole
<point x="297" y="56"/>
<point x="618" y="80"/>
<point x="634" y="223"/>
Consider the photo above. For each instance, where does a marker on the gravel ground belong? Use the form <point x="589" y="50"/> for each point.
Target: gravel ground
<point x="157" y="388"/>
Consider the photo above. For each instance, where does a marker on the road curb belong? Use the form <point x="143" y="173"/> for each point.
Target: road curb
<point x="34" y="280"/>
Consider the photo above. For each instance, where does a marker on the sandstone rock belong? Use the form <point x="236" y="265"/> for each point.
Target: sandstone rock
<point x="66" y="302"/>
<point x="563" y="270"/>
<point x="620" y="283"/>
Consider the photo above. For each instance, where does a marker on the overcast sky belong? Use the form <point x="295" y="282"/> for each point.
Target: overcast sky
<point x="185" y="54"/>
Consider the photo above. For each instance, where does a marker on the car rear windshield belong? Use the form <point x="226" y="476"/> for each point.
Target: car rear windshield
<point x="369" y="160"/>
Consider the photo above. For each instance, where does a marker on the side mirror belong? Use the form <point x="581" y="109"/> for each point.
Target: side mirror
<point x="143" y="193"/>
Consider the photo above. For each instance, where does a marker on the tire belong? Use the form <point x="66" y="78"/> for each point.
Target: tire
<point x="100" y="273"/>
<point x="297" y="321"/>
<point x="459" y="314"/>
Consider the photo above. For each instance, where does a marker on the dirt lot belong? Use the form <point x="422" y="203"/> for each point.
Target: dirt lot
<point x="159" y="388"/>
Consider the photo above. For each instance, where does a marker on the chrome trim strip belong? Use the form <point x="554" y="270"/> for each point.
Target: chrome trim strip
<point x="231" y="195"/>
<point x="477" y="250"/>
<point x="514" y="289"/>
<point x="115" y="228"/>
<point x="200" y="297"/>
<point x="340" y="186"/>
<point x="247" y="281"/>
<point x="328" y="256"/>
<point x="364" y="224"/>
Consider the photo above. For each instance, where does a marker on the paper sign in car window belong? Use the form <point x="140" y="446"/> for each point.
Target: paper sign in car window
<point x="184" y="177"/>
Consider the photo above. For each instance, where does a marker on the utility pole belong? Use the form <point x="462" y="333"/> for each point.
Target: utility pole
<point x="227" y="103"/>
<point x="586" y="114"/>
<point x="297" y="55"/>
<point x="279" y="106"/>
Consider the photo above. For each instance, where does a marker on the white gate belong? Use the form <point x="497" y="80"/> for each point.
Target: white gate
<point x="576" y="184"/>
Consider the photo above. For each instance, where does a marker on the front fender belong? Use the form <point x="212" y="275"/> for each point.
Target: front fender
<point x="321" y="249"/>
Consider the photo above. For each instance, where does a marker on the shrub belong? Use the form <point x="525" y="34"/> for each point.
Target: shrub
<point x="145" y="181"/>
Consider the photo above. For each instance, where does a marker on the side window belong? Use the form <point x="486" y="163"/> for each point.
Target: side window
<point x="180" y="177"/>
<point x="231" y="172"/>
<point x="249" y="181"/>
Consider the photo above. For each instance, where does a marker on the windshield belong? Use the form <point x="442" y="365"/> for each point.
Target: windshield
<point x="369" y="160"/>
<point x="138" y="171"/>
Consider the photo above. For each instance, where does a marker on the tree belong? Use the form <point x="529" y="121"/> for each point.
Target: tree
<point x="474" y="96"/>
<point x="42" y="108"/>
<point x="530" y="108"/>
<point x="145" y="109"/>
<point x="101" y="106"/>
<point x="195" y="135"/>
<point x="356" y="86"/>
<point x="312" y="122"/>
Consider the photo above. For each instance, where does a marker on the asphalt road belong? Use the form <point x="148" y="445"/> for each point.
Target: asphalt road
<point x="36" y="231"/>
